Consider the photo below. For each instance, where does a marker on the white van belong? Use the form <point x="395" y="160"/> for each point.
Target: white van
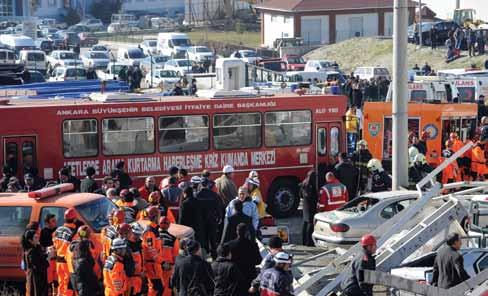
<point x="130" y="56"/>
<point x="320" y="66"/>
<point x="174" y="45"/>
<point x="33" y="60"/>
<point x="17" y="43"/>
<point x="367" y="73"/>
<point x="7" y="56"/>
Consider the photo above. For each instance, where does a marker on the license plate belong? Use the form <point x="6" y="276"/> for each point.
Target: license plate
<point x="321" y="244"/>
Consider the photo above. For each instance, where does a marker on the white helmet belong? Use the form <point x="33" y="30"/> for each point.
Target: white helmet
<point x="253" y="181"/>
<point x="362" y="143"/>
<point x="420" y="158"/>
<point x="228" y="169"/>
<point x="412" y="152"/>
<point x="282" y="257"/>
<point x="375" y="165"/>
<point x="195" y="180"/>
<point x="253" y="174"/>
<point x="118" y="244"/>
<point x="137" y="229"/>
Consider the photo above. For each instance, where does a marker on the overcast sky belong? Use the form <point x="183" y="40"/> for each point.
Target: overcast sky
<point x="444" y="8"/>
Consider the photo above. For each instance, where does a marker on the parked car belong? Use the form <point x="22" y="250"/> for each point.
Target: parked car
<point x="368" y="73"/>
<point x="87" y="39"/>
<point x="130" y="55"/>
<point x="320" y="65"/>
<point x="166" y="77"/>
<point x="57" y="38"/>
<point x="96" y="59"/>
<point x="35" y="77"/>
<point x="45" y="45"/>
<point x="248" y="56"/>
<point x="111" y="72"/>
<point x="420" y="269"/>
<point x="33" y="60"/>
<point x="149" y="46"/>
<point x="158" y="61"/>
<point x="173" y="44"/>
<point x="79" y="28"/>
<point x="7" y="56"/>
<point x="100" y="48"/>
<point x="17" y="43"/>
<point x="200" y="53"/>
<point x="180" y="66"/>
<point x="360" y="216"/>
<point x="94" y="25"/>
<point x="62" y="58"/>
<point x="274" y="65"/>
<point x="294" y="62"/>
<point x="61" y="73"/>
<point x="71" y="39"/>
<point x="118" y="28"/>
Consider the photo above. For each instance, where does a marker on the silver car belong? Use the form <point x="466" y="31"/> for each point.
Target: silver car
<point x="358" y="217"/>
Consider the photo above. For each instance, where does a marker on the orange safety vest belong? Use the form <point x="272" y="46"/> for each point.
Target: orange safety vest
<point x="332" y="196"/>
<point x="114" y="277"/>
<point x="62" y="238"/>
<point x="108" y="234"/>
<point x="478" y="161"/>
<point x="152" y="251"/>
<point x="457" y="145"/>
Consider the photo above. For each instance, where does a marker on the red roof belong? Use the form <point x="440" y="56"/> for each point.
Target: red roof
<point x="325" y="5"/>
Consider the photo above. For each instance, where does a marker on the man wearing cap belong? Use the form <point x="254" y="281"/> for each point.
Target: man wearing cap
<point x="249" y="208"/>
<point x="89" y="184"/>
<point x="353" y="284"/>
<point x="226" y="188"/>
<point x="449" y="264"/>
<point x="278" y="281"/>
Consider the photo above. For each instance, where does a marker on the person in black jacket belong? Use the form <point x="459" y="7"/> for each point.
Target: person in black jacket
<point x="84" y="278"/>
<point x="347" y="174"/>
<point x="449" y="264"/>
<point x="89" y="184"/>
<point x="6" y="174"/>
<point x="245" y="254"/>
<point x="230" y="228"/>
<point x="360" y="159"/>
<point x="309" y="196"/>
<point x="35" y="262"/>
<point x="120" y="174"/>
<point x="65" y="176"/>
<point x="228" y="278"/>
<point x="193" y="275"/>
<point x="188" y="215"/>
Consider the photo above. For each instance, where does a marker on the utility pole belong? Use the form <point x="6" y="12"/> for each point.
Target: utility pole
<point x="420" y="23"/>
<point x="400" y="96"/>
<point x="458" y="4"/>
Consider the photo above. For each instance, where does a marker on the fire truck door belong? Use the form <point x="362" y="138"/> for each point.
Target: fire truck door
<point x="328" y="144"/>
<point x="19" y="153"/>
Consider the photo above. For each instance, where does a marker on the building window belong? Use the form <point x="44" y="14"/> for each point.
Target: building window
<point x="274" y="18"/>
<point x="80" y="138"/>
<point x="6" y="8"/>
<point x="288" y="128"/>
<point x="237" y="131"/>
<point x="287" y="19"/>
<point x="52" y="2"/>
<point x="183" y="133"/>
<point x="125" y="136"/>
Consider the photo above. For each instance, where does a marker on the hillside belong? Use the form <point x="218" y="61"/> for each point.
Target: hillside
<point x="372" y="51"/>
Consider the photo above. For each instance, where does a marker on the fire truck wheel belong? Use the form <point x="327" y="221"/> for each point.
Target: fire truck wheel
<point x="283" y="197"/>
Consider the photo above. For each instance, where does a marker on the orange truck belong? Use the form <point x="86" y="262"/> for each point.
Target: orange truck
<point x="437" y="119"/>
<point x="19" y="209"/>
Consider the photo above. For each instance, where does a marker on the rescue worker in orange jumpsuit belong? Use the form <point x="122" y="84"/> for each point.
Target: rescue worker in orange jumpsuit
<point x="152" y="253"/>
<point x="170" y="248"/>
<point x="110" y="232"/>
<point x="478" y="162"/>
<point x="135" y="245"/>
<point x="128" y="204"/>
<point x="451" y="172"/>
<point x="115" y="280"/>
<point x="333" y="194"/>
<point x="457" y="144"/>
<point x="62" y="238"/>
<point x="124" y="232"/>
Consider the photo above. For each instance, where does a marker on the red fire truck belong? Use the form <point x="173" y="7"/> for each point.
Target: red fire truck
<point x="280" y="137"/>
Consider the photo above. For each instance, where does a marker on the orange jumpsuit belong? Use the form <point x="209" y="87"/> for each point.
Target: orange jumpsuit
<point x="457" y="145"/>
<point x="171" y="248"/>
<point x="62" y="238"/>
<point x="108" y="234"/>
<point x="451" y="173"/>
<point x="114" y="278"/>
<point x="152" y="259"/>
<point x="135" y="281"/>
<point x="478" y="161"/>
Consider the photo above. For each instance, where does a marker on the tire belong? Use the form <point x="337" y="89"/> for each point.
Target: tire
<point x="283" y="197"/>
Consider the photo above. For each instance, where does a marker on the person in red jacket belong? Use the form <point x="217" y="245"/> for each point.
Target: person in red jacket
<point x="149" y="186"/>
<point x="333" y="194"/>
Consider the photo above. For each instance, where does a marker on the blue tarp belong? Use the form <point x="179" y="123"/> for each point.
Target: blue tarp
<point x="69" y="89"/>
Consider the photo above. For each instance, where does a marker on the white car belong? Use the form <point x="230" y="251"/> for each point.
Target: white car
<point x="180" y="66"/>
<point x="62" y="58"/>
<point x="320" y="66"/>
<point x="101" y="48"/>
<point x="94" y="25"/>
<point x="68" y="73"/>
<point x="149" y="46"/>
<point x="200" y="53"/>
<point x="158" y="61"/>
<point x="167" y="77"/>
<point x="248" y="56"/>
<point x="96" y="59"/>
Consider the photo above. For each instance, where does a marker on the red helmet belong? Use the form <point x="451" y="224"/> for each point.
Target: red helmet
<point x="152" y="212"/>
<point x="368" y="240"/>
<point x="70" y="214"/>
<point x="164" y="221"/>
<point x="154" y="197"/>
<point x="118" y="217"/>
<point x="84" y="231"/>
<point x="124" y="229"/>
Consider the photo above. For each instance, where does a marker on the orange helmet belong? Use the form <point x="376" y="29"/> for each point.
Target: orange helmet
<point x="154" y="197"/>
<point x="124" y="229"/>
<point x="368" y="240"/>
<point x="152" y="212"/>
<point x="70" y="214"/>
<point x="84" y="231"/>
<point x="118" y="217"/>
<point x="164" y="222"/>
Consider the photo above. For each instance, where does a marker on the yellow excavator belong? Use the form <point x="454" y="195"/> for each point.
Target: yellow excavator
<point x="466" y="17"/>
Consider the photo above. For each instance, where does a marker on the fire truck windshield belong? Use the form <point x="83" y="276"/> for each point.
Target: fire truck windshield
<point x="96" y="212"/>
